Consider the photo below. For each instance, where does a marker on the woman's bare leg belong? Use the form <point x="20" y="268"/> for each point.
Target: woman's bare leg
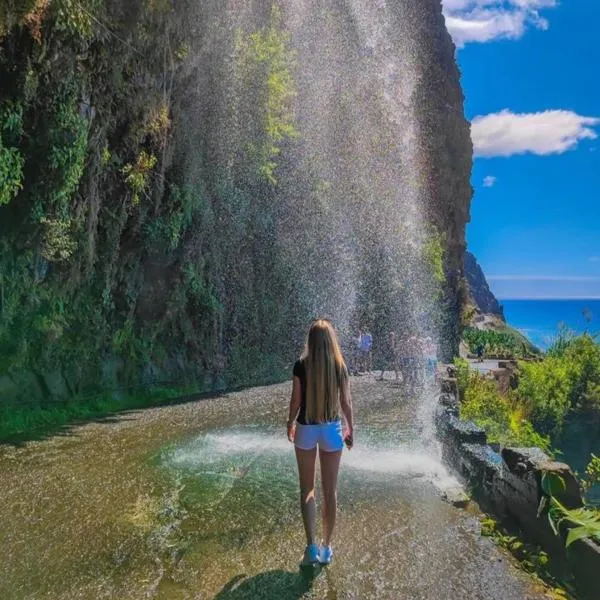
<point x="306" y="470"/>
<point x="330" y="465"/>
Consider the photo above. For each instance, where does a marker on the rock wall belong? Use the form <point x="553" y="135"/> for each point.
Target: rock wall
<point x="190" y="183"/>
<point x="508" y="485"/>
<point x="479" y="290"/>
<point x="447" y="149"/>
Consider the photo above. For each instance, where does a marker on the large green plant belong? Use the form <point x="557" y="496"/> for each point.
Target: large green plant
<point x="483" y="404"/>
<point x="580" y="523"/>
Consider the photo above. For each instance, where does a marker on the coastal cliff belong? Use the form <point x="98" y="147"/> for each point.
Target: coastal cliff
<point x="479" y="291"/>
<point x="187" y="184"/>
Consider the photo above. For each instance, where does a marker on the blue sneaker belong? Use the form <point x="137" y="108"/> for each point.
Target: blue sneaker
<point x="325" y="555"/>
<point x="311" y="555"/>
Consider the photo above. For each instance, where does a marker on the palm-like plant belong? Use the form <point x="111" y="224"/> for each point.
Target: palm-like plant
<point x="581" y="522"/>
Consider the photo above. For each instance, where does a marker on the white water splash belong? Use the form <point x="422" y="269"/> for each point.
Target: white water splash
<point x="207" y="452"/>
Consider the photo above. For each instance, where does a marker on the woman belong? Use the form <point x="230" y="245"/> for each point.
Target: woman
<point x="319" y="394"/>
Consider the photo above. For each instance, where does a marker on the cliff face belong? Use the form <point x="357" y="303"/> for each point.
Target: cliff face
<point x="447" y="150"/>
<point x="479" y="291"/>
<point x="185" y="188"/>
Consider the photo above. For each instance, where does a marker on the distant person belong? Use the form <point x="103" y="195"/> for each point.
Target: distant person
<point x="355" y="357"/>
<point x="479" y="351"/>
<point x="320" y="397"/>
<point x="390" y="356"/>
<point x="416" y="363"/>
<point x="366" y="346"/>
<point x="430" y="350"/>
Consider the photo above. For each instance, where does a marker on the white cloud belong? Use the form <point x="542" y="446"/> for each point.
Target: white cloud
<point x="489" y="181"/>
<point x="549" y="132"/>
<point x="594" y="259"/>
<point x="486" y="20"/>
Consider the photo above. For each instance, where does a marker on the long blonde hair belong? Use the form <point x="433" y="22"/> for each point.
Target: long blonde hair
<point x="325" y="372"/>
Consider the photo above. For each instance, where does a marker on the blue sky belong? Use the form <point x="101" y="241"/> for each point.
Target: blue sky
<point x="530" y="75"/>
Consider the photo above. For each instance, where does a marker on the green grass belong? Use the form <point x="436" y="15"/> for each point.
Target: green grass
<point x="25" y="420"/>
<point x="19" y="421"/>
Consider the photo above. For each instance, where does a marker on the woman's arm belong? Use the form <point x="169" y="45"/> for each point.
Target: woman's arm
<point x="295" y="400"/>
<point x="347" y="411"/>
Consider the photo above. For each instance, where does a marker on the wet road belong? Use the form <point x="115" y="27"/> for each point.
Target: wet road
<point x="200" y="501"/>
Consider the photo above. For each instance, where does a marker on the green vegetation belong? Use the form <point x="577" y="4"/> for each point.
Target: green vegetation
<point x="530" y="558"/>
<point x="18" y="420"/>
<point x="579" y="523"/>
<point x="504" y="417"/>
<point x="564" y="383"/>
<point x="489" y="343"/>
<point x="11" y="160"/>
<point x="264" y="57"/>
<point x="127" y="253"/>
<point x="434" y="252"/>
<point x="533" y="415"/>
<point x="591" y="476"/>
<point x="567" y="379"/>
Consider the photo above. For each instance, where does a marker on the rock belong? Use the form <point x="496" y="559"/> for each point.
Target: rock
<point x="189" y="295"/>
<point x="584" y="559"/>
<point x="448" y="400"/>
<point x="519" y="460"/>
<point x="465" y="432"/>
<point x="449" y="386"/>
<point x="456" y="496"/>
<point x="479" y="290"/>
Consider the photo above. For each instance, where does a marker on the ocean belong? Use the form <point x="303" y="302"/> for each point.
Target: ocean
<point x="540" y="320"/>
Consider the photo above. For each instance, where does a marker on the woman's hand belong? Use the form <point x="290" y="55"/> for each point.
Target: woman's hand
<point x="291" y="431"/>
<point x="349" y="438"/>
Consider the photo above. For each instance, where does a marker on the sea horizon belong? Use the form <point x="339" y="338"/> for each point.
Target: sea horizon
<point x="541" y="319"/>
<point x="543" y="298"/>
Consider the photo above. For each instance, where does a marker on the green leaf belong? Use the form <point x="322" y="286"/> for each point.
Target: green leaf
<point x="552" y="524"/>
<point x="577" y="534"/>
<point x="516" y="545"/>
<point x="542" y="506"/>
<point x="553" y="484"/>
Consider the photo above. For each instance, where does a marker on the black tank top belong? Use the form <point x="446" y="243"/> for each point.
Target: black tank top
<point x="300" y="373"/>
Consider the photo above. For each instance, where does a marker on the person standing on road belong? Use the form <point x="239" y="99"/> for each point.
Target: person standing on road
<point x="390" y="356"/>
<point x="320" y="398"/>
<point x="366" y="346"/>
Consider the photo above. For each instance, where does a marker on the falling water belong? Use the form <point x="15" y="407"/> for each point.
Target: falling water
<point x="352" y="187"/>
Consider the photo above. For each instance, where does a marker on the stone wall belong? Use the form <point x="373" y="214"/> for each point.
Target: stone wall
<point x="507" y="484"/>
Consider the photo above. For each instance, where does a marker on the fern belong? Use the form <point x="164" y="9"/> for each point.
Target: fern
<point x="582" y="523"/>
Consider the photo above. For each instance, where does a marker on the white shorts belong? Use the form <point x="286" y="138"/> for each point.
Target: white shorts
<point x="328" y="436"/>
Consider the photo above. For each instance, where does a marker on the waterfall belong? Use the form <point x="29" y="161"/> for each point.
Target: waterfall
<point x="351" y="216"/>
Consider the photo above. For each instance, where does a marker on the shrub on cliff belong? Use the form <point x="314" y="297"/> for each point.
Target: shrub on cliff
<point x="544" y="389"/>
<point x="504" y="418"/>
<point x="493" y="343"/>
<point x="567" y="379"/>
<point x="483" y="404"/>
